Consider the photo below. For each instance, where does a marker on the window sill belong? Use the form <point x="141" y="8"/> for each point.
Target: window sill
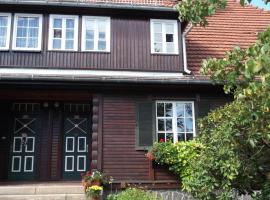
<point x="165" y="54"/>
<point x="26" y="50"/>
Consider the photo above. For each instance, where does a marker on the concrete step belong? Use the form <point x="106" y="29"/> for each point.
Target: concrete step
<point x="44" y="197"/>
<point x="39" y="189"/>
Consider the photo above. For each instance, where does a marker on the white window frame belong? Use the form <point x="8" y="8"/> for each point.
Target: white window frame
<point x="78" y="144"/>
<point x="16" y="16"/>
<point x="108" y="33"/>
<point x="174" y="119"/>
<point x="176" y="36"/>
<point x="66" y="158"/>
<point x="84" y="164"/>
<point x="63" y="39"/>
<point x="32" y="166"/>
<point x="73" y="147"/>
<point x="8" y="30"/>
<point x="20" y="164"/>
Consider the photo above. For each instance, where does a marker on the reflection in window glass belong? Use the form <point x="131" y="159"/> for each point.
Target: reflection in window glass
<point x="4" y="28"/>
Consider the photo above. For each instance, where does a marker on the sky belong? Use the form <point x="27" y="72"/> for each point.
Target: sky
<point x="260" y="4"/>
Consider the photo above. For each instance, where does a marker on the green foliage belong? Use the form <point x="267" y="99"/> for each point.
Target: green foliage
<point x="196" y="11"/>
<point x="236" y="157"/>
<point x="265" y="193"/>
<point x="177" y="156"/>
<point x="134" y="194"/>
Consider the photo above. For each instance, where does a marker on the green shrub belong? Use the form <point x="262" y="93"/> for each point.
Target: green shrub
<point x="177" y="156"/>
<point x="133" y="194"/>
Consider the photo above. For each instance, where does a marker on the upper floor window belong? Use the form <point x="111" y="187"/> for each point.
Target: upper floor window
<point x="5" y="22"/>
<point x="95" y="33"/>
<point x="175" y="120"/>
<point x="164" y="36"/>
<point x="63" y="32"/>
<point x="27" y="32"/>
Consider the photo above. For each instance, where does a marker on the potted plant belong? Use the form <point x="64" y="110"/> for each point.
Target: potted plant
<point x="94" y="192"/>
<point x="98" y="178"/>
<point x="86" y="180"/>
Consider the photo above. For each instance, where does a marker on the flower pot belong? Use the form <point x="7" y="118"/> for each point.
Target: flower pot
<point x="96" y="182"/>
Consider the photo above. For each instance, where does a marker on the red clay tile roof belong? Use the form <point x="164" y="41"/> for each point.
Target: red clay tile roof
<point x="234" y="26"/>
<point x="166" y="3"/>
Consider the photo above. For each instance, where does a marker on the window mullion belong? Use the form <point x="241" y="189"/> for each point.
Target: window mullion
<point x="63" y="40"/>
<point x="164" y="50"/>
<point x="96" y="35"/>
<point x="174" y="123"/>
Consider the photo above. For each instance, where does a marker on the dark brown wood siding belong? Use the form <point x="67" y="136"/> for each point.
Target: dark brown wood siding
<point x="130" y="46"/>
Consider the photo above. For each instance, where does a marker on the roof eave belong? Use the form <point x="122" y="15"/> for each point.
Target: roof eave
<point x="91" y="5"/>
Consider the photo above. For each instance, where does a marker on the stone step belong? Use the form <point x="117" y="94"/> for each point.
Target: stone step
<point x="41" y="189"/>
<point x="44" y="197"/>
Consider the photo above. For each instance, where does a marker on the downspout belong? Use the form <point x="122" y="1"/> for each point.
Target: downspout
<point x="185" y="49"/>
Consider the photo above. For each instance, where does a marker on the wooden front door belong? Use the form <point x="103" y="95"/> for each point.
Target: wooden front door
<point x="25" y="136"/>
<point x="76" y="144"/>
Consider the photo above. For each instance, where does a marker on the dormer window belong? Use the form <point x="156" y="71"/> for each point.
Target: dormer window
<point x="164" y="36"/>
<point x="27" y="32"/>
<point x="63" y="32"/>
<point x="5" y="21"/>
<point x="95" y="33"/>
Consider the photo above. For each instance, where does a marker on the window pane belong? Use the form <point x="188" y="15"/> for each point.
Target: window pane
<point x="34" y="22"/>
<point x="188" y="110"/>
<point x="161" y="136"/>
<point x="157" y="27"/>
<point x="169" y="28"/>
<point x="2" y="42"/>
<point x="102" y="26"/>
<point x="90" y="34"/>
<point x="101" y="45"/>
<point x="189" y="125"/>
<point x="69" y="44"/>
<point x="160" y="109"/>
<point x="57" y="33"/>
<point x="21" y="32"/>
<point x="189" y="136"/>
<point x="20" y="42"/>
<point x="180" y="125"/>
<point x="57" y="44"/>
<point x="3" y="21"/>
<point x="89" y="45"/>
<point x="70" y="23"/>
<point x="89" y="25"/>
<point x="3" y="32"/>
<point x="158" y="47"/>
<point x="158" y="37"/>
<point x="32" y="42"/>
<point x="170" y="47"/>
<point x="70" y="34"/>
<point x="22" y="22"/>
<point x="168" y="110"/>
<point x="101" y="35"/>
<point x="169" y="137"/>
<point x="161" y="125"/>
<point x="33" y="32"/>
<point x="169" y="37"/>
<point x="180" y="110"/>
<point x="181" y="137"/>
<point x="168" y="124"/>
<point x="57" y="23"/>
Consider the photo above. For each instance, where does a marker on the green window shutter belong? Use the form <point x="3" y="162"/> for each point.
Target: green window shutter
<point x="145" y="124"/>
<point x="204" y="108"/>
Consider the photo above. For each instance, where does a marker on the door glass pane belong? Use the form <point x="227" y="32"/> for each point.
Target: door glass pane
<point x="81" y="162"/>
<point x="81" y="144"/>
<point x="28" y="163"/>
<point x="16" y="164"/>
<point x="69" y="144"/>
<point x="69" y="163"/>
<point x="17" y="144"/>
<point x="30" y="144"/>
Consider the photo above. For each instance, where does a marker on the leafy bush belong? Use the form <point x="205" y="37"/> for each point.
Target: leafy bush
<point x="177" y="156"/>
<point x="133" y="194"/>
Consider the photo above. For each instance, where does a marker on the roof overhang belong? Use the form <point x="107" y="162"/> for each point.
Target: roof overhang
<point x="101" y="76"/>
<point x="78" y="3"/>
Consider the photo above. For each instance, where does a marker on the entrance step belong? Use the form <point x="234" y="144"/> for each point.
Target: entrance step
<point x="42" y="191"/>
<point x="44" y="197"/>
